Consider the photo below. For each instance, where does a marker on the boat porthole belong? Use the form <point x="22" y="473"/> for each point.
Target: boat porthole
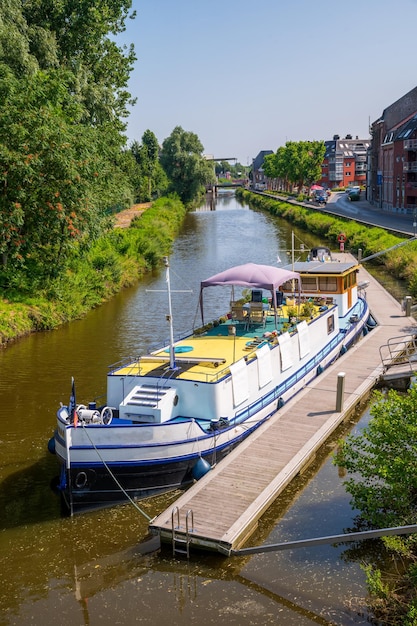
<point x="81" y="480"/>
<point x="175" y="400"/>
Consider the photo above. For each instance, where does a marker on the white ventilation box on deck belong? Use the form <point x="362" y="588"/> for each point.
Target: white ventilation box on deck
<point x="149" y="404"/>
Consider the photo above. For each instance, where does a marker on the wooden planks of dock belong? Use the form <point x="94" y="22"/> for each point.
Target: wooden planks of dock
<point x="222" y="510"/>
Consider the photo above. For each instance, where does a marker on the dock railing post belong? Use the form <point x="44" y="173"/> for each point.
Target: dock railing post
<point x="407" y="306"/>
<point x="340" y="391"/>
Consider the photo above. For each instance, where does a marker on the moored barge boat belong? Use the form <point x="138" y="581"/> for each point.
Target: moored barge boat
<point x="175" y="412"/>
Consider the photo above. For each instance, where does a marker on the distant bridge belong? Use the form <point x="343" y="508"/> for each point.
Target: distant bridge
<point x="210" y="157"/>
<point x="232" y="184"/>
<point x="213" y="188"/>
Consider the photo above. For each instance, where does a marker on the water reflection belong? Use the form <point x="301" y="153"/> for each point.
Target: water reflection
<point x="101" y="567"/>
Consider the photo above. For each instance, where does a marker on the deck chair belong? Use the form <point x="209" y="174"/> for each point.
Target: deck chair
<point x="239" y="314"/>
<point x="256" y="295"/>
<point x="280" y="298"/>
<point x="257" y="314"/>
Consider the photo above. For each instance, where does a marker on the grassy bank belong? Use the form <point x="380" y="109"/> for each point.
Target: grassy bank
<point x="94" y="273"/>
<point x="401" y="263"/>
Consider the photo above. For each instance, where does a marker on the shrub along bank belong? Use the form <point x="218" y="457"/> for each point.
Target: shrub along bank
<point x="401" y="263"/>
<point x="95" y="271"/>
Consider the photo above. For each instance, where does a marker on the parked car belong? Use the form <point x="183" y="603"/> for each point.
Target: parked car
<point x="321" y="197"/>
<point x="355" y="189"/>
<point x="354" y="195"/>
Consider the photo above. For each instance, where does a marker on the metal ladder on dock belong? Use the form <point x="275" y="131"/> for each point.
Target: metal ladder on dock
<point x="399" y="357"/>
<point x="180" y="540"/>
<point x="399" y="351"/>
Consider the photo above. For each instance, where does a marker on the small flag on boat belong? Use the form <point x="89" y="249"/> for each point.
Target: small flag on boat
<point x="72" y="406"/>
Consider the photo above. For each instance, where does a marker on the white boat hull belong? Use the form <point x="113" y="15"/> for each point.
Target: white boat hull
<point x="104" y="464"/>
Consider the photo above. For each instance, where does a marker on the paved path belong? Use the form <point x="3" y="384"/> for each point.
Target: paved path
<point x="124" y="218"/>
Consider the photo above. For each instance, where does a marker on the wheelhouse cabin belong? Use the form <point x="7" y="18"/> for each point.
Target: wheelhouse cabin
<point x="330" y="282"/>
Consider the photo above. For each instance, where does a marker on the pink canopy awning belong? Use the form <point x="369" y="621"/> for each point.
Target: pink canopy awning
<point x="254" y="276"/>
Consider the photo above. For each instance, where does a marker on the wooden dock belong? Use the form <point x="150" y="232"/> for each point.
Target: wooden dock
<point x="221" y="511"/>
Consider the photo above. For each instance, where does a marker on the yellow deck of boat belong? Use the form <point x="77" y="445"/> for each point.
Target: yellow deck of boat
<point x="208" y="355"/>
<point x="221" y="511"/>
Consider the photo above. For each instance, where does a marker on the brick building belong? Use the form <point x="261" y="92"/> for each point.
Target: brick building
<point x="344" y="162"/>
<point x="392" y="163"/>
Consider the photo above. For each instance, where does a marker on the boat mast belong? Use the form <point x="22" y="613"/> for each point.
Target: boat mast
<point x="292" y="249"/>
<point x="292" y="261"/>
<point x="169" y="318"/>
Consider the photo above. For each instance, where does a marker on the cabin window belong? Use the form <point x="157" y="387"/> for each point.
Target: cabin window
<point x="349" y="281"/>
<point x="328" y="283"/>
<point x="330" y="324"/>
<point x="309" y="284"/>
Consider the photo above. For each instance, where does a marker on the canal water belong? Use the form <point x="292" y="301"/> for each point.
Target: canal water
<point x="102" y="567"/>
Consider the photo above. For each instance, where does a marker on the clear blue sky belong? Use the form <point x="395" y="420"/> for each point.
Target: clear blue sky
<point x="249" y="76"/>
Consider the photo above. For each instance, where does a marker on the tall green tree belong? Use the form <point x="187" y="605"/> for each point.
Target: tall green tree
<point x="150" y="150"/>
<point x="183" y="161"/>
<point x="15" y="40"/>
<point x="381" y="462"/>
<point x="297" y="163"/>
<point x="81" y="30"/>
<point x="63" y="101"/>
<point x="147" y="175"/>
<point x="150" y="181"/>
<point x="271" y="165"/>
<point x="57" y="178"/>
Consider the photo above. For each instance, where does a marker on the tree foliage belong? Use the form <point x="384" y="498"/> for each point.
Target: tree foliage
<point x="237" y="170"/>
<point x="296" y="163"/>
<point x="62" y="101"/>
<point x="382" y="462"/>
<point x="182" y="159"/>
<point x="80" y="32"/>
<point x="64" y="164"/>
<point x="58" y="177"/>
<point x="382" y="466"/>
<point x="14" y="40"/>
<point x="148" y="176"/>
